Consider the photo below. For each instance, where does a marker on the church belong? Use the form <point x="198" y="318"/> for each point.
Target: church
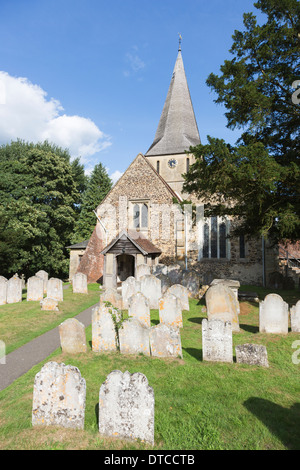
<point x="145" y="219"/>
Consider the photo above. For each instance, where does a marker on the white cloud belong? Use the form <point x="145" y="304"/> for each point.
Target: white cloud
<point x="134" y="62"/>
<point x="27" y="114"/>
<point x="115" y="176"/>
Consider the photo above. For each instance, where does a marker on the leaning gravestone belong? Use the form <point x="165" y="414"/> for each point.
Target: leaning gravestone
<point x="103" y="330"/>
<point x="217" y="341"/>
<point x="295" y="318"/>
<point x="44" y="275"/>
<point x="129" y="287"/>
<point x="142" y="270"/>
<point x="14" y="290"/>
<point x="253" y="354"/>
<point x="55" y="289"/>
<point x="165" y="341"/>
<point x="79" y="283"/>
<point x="181" y="293"/>
<point x="170" y="312"/>
<point x="3" y="290"/>
<point x="222" y="304"/>
<point x="35" y="288"/>
<point x="49" y="304"/>
<point x="59" y="395"/>
<point x="72" y="336"/>
<point x="138" y="308"/>
<point x="134" y="338"/>
<point x="151" y="288"/>
<point x="126" y="407"/>
<point x="273" y="315"/>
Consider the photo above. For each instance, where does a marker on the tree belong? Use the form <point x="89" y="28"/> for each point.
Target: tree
<point x="258" y="179"/>
<point x="38" y="197"/>
<point x="98" y="186"/>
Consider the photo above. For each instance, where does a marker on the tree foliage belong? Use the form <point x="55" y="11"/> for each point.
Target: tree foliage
<point x="260" y="174"/>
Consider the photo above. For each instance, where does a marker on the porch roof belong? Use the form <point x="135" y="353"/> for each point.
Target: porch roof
<point x="142" y="244"/>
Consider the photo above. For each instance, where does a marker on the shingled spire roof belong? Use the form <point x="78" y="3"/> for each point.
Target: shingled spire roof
<point x="177" y="129"/>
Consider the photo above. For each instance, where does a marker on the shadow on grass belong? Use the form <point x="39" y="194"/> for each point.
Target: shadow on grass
<point x="196" y="353"/>
<point x="282" y="422"/>
<point x="250" y="328"/>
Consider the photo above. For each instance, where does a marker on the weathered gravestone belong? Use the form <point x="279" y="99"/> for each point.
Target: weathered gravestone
<point x="181" y="293"/>
<point x="253" y="354"/>
<point x="134" y="338"/>
<point x="14" y="290"/>
<point x="129" y="287"/>
<point x="3" y="290"/>
<point x="273" y="315"/>
<point x="112" y="296"/>
<point x="55" y="289"/>
<point x="295" y="318"/>
<point x="35" y="288"/>
<point x="170" y="312"/>
<point x="138" y="308"/>
<point x="233" y="285"/>
<point x="126" y="407"/>
<point x="103" y="329"/>
<point x="191" y="280"/>
<point x="79" y="283"/>
<point x="142" y="270"/>
<point x="151" y="288"/>
<point x="59" y="396"/>
<point x="72" y="336"/>
<point x="49" y="304"/>
<point x="2" y="352"/>
<point x="222" y="304"/>
<point x="165" y="341"/>
<point x="44" y="275"/>
<point x="217" y="341"/>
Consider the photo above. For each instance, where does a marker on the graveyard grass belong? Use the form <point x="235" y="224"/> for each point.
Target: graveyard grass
<point x="198" y="405"/>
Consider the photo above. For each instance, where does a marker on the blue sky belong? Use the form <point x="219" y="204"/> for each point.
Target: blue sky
<point x="93" y="76"/>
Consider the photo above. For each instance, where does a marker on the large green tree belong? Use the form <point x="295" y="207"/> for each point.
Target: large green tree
<point x="39" y="194"/>
<point x="258" y="179"/>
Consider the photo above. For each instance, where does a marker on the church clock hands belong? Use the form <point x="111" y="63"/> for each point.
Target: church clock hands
<point x="172" y="163"/>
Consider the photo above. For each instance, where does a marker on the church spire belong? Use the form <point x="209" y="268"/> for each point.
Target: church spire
<point x="177" y="129"/>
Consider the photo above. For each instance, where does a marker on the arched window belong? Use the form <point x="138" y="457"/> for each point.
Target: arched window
<point x="136" y="216"/>
<point x="140" y="214"/>
<point x="144" y="218"/>
<point x="157" y="166"/>
<point x="214" y="242"/>
<point x="187" y="164"/>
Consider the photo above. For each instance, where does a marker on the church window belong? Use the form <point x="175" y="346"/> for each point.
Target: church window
<point x="213" y="239"/>
<point x="157" y="166"/>
<point x="136" y="216"/>
<point x="187" y="164"/>
<point x="144" y="216"/>
<point x="140" y="215"/>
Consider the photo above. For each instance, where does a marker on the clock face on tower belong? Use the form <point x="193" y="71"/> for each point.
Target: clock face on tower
<point x="172" y="163"/>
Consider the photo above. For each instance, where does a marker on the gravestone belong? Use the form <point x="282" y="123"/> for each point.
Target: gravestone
<point x="3" y="290"/>
<point x="165" y="341"/>
<point x="129" y="287"/>
<point x="59" y="395"/>
<point x="253" y="354"/>
<point x="79" y="283"/>
<point x="181" y="293"/>
<point x="142" y="270"/>
<point x="103" y="330"/>
<point x="273" y="315"/>
<point x="165" y="282"/>
<point x="222" y="304"/>
<point x="138" y="308"/>
<point x="231" y="283"/>
<point x="134" y="338"/>
<point x="49" y="304"/>
<point x="170" y="311"/>
<point x="72" y="336"/>
<point x="217" y="341"/>
<point x="2" y="352"/>
<point x="35" y="288"/>
<point x="44" y="275"/>
<point x="295" y="318"/>
<point x="14" y="290"/>
<point x="151" y="288"/>
<point x="126" y="407"/>
<point x="191" y="280"/>
<point x="55" y="289"/>
<point x="111" y="295"/>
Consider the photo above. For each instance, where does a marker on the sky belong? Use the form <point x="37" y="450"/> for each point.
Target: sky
<point x="92" y="76"/>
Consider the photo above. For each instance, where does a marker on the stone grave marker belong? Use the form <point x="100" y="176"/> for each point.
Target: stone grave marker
<point x="182" y="294"/>
<point x="111" y="295"/>
<point x="3" y="290"/>
<point x="142" y="270"/>
<point x="44" y="275"/>
<point x="126" y="407"/>
<point x="103" y="330"/>
<point x="35" y="288"/>
<point x="49" y="304"/>
<point x="222" y="304"/>
<point x="79" y="283"/>
<point x="217" y="341"/>
<point x="165" y="341"/>
<point x="273" y="315"/>
<point x="253" y="354"/>
<point x="129" y="287"/>
<point x="59" y="396"/>
<point x="151" y="288"/>
<point x="72" y="336"/>
<point x="138" y="308"/>
<point x="14" y="290"/>
<point x="55" y="289"/>
<point x="170" y="312"/>
<point x="134" y="338"/>
<point x="295" y="318"/>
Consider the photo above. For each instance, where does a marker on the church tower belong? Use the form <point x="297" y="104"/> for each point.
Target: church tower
<point x="177" y="131"/>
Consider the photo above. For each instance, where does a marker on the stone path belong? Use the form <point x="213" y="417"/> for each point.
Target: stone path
<point x="24" y="358"/>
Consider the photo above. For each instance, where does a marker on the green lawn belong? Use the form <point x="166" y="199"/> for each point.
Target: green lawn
<point x="198" y="405"/>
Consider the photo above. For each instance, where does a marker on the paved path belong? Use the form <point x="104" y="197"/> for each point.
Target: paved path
<point x="22" y="359"/>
